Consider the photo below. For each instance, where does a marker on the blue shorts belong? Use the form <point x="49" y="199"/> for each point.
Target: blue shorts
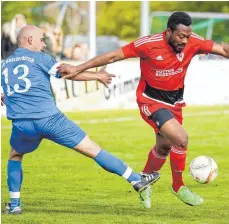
<point x="28" y="133"/>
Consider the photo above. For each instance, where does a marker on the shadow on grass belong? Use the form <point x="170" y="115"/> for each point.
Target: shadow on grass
<point x="84" y="208"/>
<point x="75" y="208"/>
<point x="101" y="209"/>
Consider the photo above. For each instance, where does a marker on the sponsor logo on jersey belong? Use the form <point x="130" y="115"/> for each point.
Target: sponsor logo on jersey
<point x="169" y="72"/>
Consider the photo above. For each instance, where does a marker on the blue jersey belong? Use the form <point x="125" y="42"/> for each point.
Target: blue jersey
<point x="26" y="84"/>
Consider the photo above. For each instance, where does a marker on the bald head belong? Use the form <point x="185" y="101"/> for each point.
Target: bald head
<point x="31" y="37"/>
<point x="26" y="32"/>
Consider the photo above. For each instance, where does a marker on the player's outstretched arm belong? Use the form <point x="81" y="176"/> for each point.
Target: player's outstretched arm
<point x="68" y="71"/>
<point x="102" y="76"/>
<point x="220" y="49"/>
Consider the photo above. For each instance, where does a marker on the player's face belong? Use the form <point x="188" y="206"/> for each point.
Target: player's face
<point x="38" y="41"/>
<point x="179" y="37"/>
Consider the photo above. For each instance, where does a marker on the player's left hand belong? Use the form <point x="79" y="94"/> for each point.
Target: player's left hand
<point x="104" y="77"/>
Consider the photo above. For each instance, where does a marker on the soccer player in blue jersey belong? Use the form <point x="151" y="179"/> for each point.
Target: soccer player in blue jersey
<point x="32" y="109"/>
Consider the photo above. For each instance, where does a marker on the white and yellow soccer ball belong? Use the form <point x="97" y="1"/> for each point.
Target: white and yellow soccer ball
<point x="203" y="169"/>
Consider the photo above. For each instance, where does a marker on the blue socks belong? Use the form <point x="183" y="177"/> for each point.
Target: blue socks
<point x="15" y="176"/>
<point x="117" y="166"/>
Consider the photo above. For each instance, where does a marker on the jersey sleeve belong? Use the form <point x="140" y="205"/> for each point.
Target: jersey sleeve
<point x="49" y="65"/>
<point x="204" y="46"/>
<point x="138" y="48"/>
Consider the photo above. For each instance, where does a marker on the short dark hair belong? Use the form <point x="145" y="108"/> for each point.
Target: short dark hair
<point x="179" y="18"/>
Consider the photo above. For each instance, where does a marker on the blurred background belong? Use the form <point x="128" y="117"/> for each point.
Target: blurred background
<point x="76" y="31"/>
<point x="67" y="25"/>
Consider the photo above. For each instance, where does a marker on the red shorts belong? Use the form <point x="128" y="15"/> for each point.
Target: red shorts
<point x="147" y="109"/>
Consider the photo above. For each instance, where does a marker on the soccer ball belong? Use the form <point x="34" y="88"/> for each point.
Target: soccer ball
<point x="203" y="169"/>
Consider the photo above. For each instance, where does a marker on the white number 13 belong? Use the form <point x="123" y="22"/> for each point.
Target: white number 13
<point x="16" y="86"/>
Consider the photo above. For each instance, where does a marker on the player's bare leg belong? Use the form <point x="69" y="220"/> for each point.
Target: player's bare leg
<point x="15" y="177"/>
<point x="173" y="131"/>
<point x="114" y="165"/>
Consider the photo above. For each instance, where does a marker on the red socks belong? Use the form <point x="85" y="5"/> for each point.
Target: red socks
<point x="154" y="162"/>
<point x="177" y="163"/>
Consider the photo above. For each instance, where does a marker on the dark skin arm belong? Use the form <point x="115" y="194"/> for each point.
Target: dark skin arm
<point x="68" y="71"/>
<point x="102" y="76"/>
<point x="221" y="49"/>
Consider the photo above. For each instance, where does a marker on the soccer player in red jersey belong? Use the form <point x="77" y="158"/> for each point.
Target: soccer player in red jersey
<point x="164" y="60"/>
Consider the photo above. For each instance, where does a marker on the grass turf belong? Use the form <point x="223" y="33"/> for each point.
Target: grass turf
<point x="62" y="186"/>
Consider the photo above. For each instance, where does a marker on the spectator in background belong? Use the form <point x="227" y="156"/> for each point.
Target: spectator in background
<point x="16" y="24"/>
<point x="84" y="48"/>
<point x="9" y="35"/>
<point x="58" y="45"/>
<point x="76" y="52"/>
<point x="7" y="47"/>
<point x="49" y="38"/>
<point x="79" y="52"/>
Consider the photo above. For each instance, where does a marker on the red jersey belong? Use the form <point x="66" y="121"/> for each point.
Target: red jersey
<point x="162" y="69"/>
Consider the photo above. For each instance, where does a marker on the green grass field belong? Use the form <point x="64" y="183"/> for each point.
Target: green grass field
<point x="62" y="186"/>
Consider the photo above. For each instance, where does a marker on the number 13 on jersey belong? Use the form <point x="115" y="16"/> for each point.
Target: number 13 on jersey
<point x="16" y="87"/>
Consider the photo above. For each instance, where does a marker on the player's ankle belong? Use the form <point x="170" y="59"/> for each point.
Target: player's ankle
<point x="15" y="202"/>
<point x="176" y="186"/>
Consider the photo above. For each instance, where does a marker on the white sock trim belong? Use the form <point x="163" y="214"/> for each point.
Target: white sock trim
<point x="154" y="152"/>
<point x="127" y="173"/>
<point x="178" y="151"/>
<point x="14" y="194"/>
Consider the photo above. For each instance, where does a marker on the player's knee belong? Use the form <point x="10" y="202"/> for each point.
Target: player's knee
<point x="15" y="155"/>
<point x="164" y="149"/>
<point x="88" y="147"/>
<point x="182" y="141"/>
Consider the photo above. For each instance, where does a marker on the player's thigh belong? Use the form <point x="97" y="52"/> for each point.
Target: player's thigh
<point x="168" y="123"/>
<point x="24" y="138"/>
<point x="170" y="127"/>
<point x="58" y="128"/>
<point x="163" y="145"/>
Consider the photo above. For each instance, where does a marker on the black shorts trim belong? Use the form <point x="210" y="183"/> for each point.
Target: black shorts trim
<point x="161" y="116"/>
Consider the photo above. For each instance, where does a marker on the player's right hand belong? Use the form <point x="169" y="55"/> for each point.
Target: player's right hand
<point x="104" y="77"/>
<point x="67" y="71"/>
